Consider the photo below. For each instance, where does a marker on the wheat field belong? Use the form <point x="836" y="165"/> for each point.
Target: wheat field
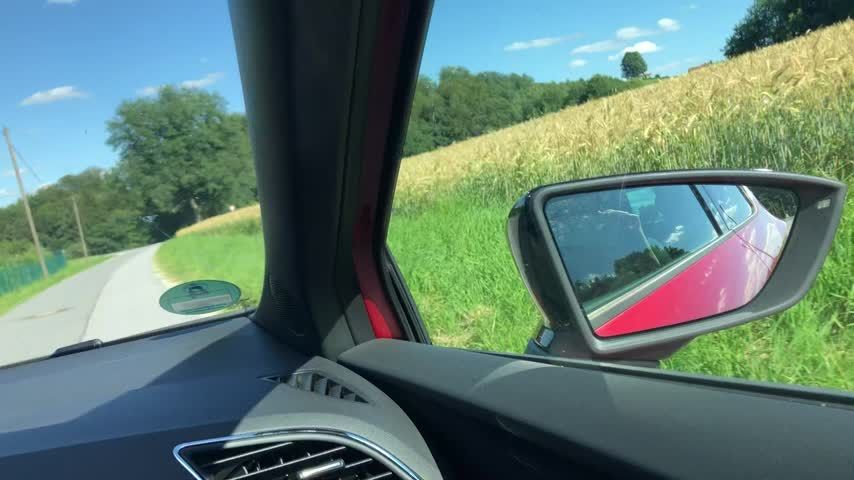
<point x="251" y="212"/>
<point x="797" y="75"/>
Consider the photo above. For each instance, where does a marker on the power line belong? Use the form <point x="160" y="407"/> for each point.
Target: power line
<point x="27" y="164"/>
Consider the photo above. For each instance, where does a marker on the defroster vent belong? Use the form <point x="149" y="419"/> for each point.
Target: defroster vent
<point x="318" y="383"/>
<point x="283" y="460"/>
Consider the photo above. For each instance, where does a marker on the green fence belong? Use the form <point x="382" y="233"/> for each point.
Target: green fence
<point x="13" y="277"/>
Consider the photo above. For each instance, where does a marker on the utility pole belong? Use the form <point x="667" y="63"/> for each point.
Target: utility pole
<point x="79" y="226"/>
<point x="26" y="203"/>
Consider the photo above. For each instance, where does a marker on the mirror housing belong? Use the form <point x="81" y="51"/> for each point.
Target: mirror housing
<point x="566" y="331"/>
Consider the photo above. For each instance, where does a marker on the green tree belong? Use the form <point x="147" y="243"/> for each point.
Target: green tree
<point x="183" y="154"/>
<point x="423" y="133"/>
<point x="473" y="104"/>
<point x="543" y="98"/>
<point x="633" y="65"/>
<point x="110" y="217"/>
<point x="772" y="21"/>
<point x="600" y="86"/>
<point x="463" y="104"/>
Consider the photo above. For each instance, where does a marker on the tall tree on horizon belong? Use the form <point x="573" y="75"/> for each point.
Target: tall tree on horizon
<point x="633" y="65"/>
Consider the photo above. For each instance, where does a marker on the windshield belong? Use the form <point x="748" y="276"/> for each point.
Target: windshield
<point x="125" y="170"/>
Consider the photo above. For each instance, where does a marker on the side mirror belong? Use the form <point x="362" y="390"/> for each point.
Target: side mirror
<point x="633" y="267"/>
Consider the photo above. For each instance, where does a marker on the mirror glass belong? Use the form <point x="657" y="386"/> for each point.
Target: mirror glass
<point x="648" y="257"/>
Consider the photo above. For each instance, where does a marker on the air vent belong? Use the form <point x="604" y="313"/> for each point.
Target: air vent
<point x="283" y="460"/>
<point x="317" y="383"/>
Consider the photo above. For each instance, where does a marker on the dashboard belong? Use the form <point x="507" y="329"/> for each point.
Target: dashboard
<point x="181" y="403"/>
<point x="129" y="408"/>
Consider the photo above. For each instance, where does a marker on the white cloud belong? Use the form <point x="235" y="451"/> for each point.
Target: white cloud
<point x="628" y="33"/>
<point x="675" y="235"/>
<point x="603" y="46"/>
<point x="149" y="91"/>
<point x="62" y="2"/>
<point x="536" y="43"/>
<point x="5" y="193"/>
<point x="578" y="63"/>
<point x="668" y="25"/>
<point x="53" y="95"/>
<point x="45" y="185"/>
<point x="203" y="82"/>
<point x="693" y="6"/>
<point x="641" y="47"/>
<point x="539" y="42"/>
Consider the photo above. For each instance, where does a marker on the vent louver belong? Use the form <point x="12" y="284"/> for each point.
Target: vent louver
<point x="317" y="383"/>
<point x="284" y="460"/>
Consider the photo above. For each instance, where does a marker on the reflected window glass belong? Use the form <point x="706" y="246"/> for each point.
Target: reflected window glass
<point x="729" y="202"/>
<point x="611" y="241"/>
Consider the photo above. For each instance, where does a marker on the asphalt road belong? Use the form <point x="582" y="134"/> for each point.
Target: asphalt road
<point x="114" y="299"/>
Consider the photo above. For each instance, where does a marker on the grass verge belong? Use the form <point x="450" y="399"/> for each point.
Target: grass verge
<point x="75" y="266"/>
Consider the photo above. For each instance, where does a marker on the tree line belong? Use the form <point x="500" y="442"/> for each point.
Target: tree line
<point x="772" y="21"/>
<point x="462" y="104"/>
<point x="182" y="157"/>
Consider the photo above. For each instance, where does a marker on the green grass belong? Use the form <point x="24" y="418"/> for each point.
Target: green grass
<point x="75" y="266"/>
<point x="462" y="275"/>
<point x="234" y="253"/>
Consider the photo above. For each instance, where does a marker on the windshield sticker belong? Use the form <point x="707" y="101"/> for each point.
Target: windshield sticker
<point x="199" y="297"/>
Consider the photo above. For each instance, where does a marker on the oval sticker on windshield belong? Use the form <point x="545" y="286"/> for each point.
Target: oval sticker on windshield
<point x="200" y="296"/>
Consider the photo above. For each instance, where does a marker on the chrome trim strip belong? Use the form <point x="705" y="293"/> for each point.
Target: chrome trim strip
<point x="320" y="469"/>
<point x="323" y="434"/>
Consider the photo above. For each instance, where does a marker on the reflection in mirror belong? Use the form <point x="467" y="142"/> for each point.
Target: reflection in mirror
<point x="648" y="257"/>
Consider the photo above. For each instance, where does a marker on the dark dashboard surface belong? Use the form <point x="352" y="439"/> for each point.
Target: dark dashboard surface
<point x="121" y="409"/>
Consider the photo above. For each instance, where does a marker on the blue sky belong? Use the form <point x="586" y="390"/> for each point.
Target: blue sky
<point x="564" y="39"/>
<point x="69" y="63"/>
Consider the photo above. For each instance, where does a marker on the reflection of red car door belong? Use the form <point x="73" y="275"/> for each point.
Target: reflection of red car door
<point x="725" y="278"/>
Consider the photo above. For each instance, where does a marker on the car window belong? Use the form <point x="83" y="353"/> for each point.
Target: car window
<point x="729" y="202"/>
<point x="126" y="170"/>
<point x="634" y="234"/>
<point x="511" y="97"/>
